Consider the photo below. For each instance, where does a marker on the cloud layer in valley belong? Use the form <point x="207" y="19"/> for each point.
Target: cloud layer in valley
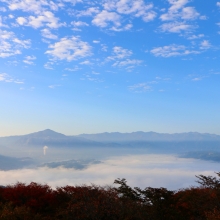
<point x="139" y="170"/>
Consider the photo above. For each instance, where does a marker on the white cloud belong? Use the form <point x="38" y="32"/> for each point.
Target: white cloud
<point x="136" y="8"/>
<point x="79" y="23"/>
<point x="47" y="18"/>
<point x="177" y="4"/>
<point x="119" y="53"/>
<point x="172" y="51"/>
<point x="53" y="86"/>
<point x="47" y="34"/>
<point x="196" y="79"/>
<point x="69" y="49"/>
<point x="92" y="78"/>
<point x="27" y="5"/>
<point x="35" y="6"/>
<point x="125" y="28"/>
<point x="96" y="41"/>
<point x="11" y="16"/>
<point x="4" y="77"/>
<point x="76" y="29"/>
<point x="48" y="65"/>
<point x="1" y="23"/>
<point x="89" y="12"/>
<point x="3" y="9"/>
<point x="104" y="47"/>
<point x="189" y="13"/>
<point x="140" y="87"/>
<point x="103" y="18"/>
<point x="10" y="45"/>
<point x="53" y="6"/>
<point x="178" y="14"/>
<point x="73" y="2"/>
<point x="4" y="35"/>
<point x="176" y="27"/>
<point x="21" y="20"/>
<point x="175" y="10"/>
<point x="86" y="62"/>
<point x="205" y="45"/>
<point x="73" y="69"/>
<point x="95" y="73"/>
<point x="218" y="4"/>
<point x="29" y="60"/>
<point x="193" y="37"/>
<point x="150" y="16"/>
<point x="120" y="57"/>
<point x="22" y="43"/>
<point x="127" y="62"/>
<point x="203" y="17"/>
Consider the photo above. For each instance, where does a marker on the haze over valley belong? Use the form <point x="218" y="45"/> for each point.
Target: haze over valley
<point x="169" y="160"/>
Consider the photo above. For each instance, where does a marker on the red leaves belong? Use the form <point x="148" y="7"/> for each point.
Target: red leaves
<point x="37" y="197"/>
<point x="36" y="201"/>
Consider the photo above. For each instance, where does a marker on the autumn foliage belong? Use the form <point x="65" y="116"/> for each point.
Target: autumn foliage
<point x="122" y="202"/>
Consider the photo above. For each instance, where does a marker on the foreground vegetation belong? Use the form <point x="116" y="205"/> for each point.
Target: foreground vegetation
<point x="38" y="202"/>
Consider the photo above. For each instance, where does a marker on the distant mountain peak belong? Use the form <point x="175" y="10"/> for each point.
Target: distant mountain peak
<point x="46" y="133"/>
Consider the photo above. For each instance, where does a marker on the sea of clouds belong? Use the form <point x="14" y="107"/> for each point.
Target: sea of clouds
<point x="154" y="170"/>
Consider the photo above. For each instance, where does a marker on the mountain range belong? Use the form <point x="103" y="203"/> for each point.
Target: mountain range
<point x="27" y="150"/>
<point x="115" y="139"/>
<point x="150" y="136"/>
<point x="45" y="137"/>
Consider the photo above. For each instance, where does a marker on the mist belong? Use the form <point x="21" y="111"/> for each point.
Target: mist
<point x="154" y="170"/>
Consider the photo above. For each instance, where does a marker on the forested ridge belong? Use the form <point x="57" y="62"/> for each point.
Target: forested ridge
<point x="119" y="202"/>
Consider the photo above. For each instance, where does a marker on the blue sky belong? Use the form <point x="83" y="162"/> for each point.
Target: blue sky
<point x="78" y="66"/>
